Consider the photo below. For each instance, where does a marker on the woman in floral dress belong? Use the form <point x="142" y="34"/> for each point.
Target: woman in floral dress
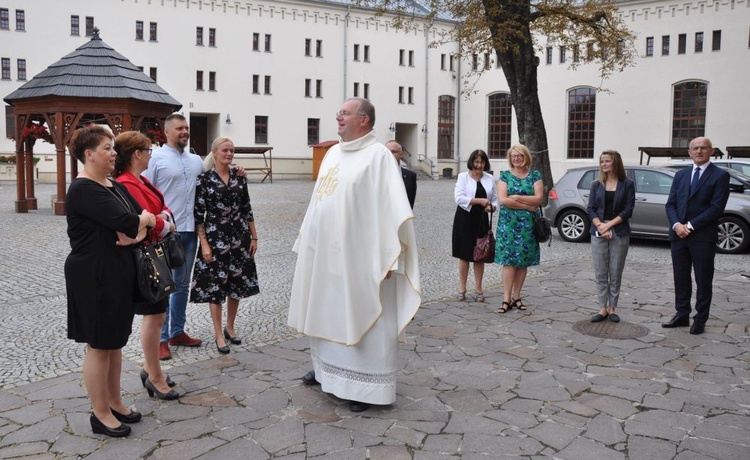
<point x="520" y="192"/>
<point x="225" y="266"/>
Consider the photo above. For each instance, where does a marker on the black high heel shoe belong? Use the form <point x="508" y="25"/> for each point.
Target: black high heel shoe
<point x="223" y="350"/>
<point x="166" y="396"/>
<point x="99" y="428"/>
<point x="235" y="340"/>
<point x="144" y="376"/>
<point x="132" y="417"/>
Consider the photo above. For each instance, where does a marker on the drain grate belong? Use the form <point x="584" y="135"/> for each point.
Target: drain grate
<point x="610" y="330"/>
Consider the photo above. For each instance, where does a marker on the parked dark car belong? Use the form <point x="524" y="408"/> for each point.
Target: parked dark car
<point x="569" y="197"/>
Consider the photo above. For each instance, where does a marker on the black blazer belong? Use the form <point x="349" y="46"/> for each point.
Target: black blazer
<point x="624" y="204"/>
<point x="410" y="182"/>
<point x="703" y="207"/>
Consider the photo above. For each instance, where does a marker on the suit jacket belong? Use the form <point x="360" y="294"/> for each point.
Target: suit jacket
<point x="410" y="182"/>
<point x="703" y="207"/>
<point x="623" y="205"/>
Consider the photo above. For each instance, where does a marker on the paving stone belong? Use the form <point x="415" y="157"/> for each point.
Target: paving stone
<point x="716" y="449"/>
<point x="406" y="435"/>
<point x="606" y="430"/>
<point x="616" y="407"/>
<point x="321" y="439"/>
<point x="123" y="448"/>
<point x="189" y="449"/>
<point x="76" y="446"/>
<point x="45" y="431"/>
<point x="643" y="448"/>
<point x="583" y="449"/>
<point x="513" y="418"/>
<point x="239" y="448"/>
<point x="24" y="450"/>
<point x="274" y="438"/>
<point x="554" y="434"/>
<point x="469" y="423"/>
<point x="481" y="443"/>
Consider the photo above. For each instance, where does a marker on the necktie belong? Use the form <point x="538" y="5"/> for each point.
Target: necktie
<point x="696" y="176"/>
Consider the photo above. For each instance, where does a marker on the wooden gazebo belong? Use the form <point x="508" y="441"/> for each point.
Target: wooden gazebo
<point x="93" y="84"/>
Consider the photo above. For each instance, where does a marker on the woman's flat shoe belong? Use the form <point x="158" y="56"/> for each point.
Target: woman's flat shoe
<point x="235" y="340"/>
<point x="614" y="318"/>
<point x="99" y="428"/>
<point x="598" y="318"/>
<point x="144" y="376"/>
<point x="152" y="390"/>
<point x="506" y="306"/>
<point x="132" y="417"/>
<point x="479" y="297"/>
<point x="223" y="350"/>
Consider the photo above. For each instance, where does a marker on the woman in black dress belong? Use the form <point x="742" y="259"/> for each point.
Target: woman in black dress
<point x="103" y="221"/>
<point x="225" y="267"/>
<point x="475" y="196"/>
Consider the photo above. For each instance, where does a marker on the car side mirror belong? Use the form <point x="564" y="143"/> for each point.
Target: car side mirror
<point x="738" y="188"/>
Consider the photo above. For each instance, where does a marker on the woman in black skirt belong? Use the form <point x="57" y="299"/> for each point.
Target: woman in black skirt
<point x="475" y="196"/>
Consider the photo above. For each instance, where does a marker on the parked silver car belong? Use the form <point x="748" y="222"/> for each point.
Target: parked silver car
<point x="569" y="197"/>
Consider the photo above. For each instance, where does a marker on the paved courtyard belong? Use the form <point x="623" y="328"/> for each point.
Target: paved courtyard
<point x="473" y="384"/>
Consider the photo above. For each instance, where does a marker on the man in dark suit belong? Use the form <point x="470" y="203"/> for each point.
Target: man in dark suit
<point x="410" y="177"/>
<point x="696" y="201"/>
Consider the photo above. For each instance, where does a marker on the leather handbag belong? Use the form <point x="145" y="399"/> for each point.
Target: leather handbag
<point x="542" y="228"/>
<point x="175" y="250"/>
<point x="153" y="274"/>
<point x="484" y="249"/>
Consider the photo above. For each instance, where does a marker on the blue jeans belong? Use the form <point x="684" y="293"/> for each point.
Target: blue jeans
<point x="174" y="322"/>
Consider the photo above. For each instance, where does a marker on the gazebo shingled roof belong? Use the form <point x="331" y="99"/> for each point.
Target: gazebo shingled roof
<point x="94" y="83"/>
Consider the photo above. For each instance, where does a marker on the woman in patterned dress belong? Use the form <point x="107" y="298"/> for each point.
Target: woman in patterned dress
<point x="225" y="267"/>
<point x="520" y="192"/>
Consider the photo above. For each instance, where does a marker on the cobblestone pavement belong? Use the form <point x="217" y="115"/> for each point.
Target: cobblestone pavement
<point x="473" y="384"/>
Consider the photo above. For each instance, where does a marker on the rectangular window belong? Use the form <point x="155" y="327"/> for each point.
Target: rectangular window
<point x="400" y="94"/>
<point x="401" y="57"/>
<point x="267" y="43"/>
<point x="500" y="118"/>
<point x="152" y="73"/>
<point x="256" y="42"/>
<point x="367" y="53"/>
<point x="366" y="94"/>
<point x="313" y="131"/>
<point x="75" y="26"/>
<point x="308" y="44"/>
<point x="199" y="36"/>
<point x="411" y="95"/>
<point x="307" y="87"/>
<point x="20" y="20"/>
<point x="716" y="41"/>
<point x="699" y="42"/>
<point x="267" y="84"/>
<point x="199" y="80"/>
<point x="549" y="55"/>
<point x="5" y="68"/>
<point x="562" y="54"/>
<point x="665" y="45"/>
<point x="212" y="81"/>
<point x="590" y="51"/>
<point x="356" y="89"/>
<point x="356" y="52"/>
<point x="318" y="88"/>
<point x="318" y="48"/>
<point x="411" y="58"/>
<point x="486" y="61"/>
<point x="261" y="129"/>
<point x="442" y="62"/>
<point x="474" y="62"/>
<point x="152" y="32"/>
<point x="89" y="26"/>
<point x="4" y="18"/>
<point x="581" y="122"/>
<point x="446" y="126"/>
<point x="451" y="60"/>
<point x="139" y="30"/>
<point x="649" y="46"/>
<point x="21" y="69"/>
<point x="211" y="36"/>
<point x="620" y="47"/>
<point x="256" y="84"/>
<point x="681" y="43"/>
<point x="576" y="53"/>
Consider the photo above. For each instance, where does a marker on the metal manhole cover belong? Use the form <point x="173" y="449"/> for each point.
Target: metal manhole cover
<point x="610" y="330"/>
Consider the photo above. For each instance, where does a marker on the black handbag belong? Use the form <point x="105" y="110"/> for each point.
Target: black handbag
<point x="484" y="249"/>
<point x="542" y="228"/>
<point x="153" y="274"/>
<point x="175" y="250"/>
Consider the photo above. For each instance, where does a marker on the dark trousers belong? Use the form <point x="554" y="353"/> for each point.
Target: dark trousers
<point x="699" y="257"/>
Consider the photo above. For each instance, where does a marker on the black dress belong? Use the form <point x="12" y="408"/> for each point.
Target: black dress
<point x="468" y="226"/>
<point x="99" y="275"/>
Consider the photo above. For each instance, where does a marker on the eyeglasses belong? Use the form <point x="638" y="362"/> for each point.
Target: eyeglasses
<point x="700" y="147"/>
<point x="347" y="114"/>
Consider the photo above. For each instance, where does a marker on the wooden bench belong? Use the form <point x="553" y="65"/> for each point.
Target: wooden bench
<point x="738" y="152"/>
<point x="259" y="161"/>
<point x="671" y="152"/>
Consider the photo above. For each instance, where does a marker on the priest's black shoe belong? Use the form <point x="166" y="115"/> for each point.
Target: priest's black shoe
<point x="677" y="321"/>
<point x="697" y="328"/>
<point x="356" y="406"/>
<point x="309" y="378"/>
<point x="99" y="428"/>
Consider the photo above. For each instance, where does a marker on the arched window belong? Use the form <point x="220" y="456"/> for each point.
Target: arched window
<point x="688" y="112"/>
<point x="446" y="125"/>
<point x="499" y="123"/>
<point x="581" y="117"/>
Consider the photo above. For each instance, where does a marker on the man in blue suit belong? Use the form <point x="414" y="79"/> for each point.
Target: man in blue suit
<point x="696" y="201"/>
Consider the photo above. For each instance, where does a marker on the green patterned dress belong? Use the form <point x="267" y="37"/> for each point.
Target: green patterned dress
<point x="516" y="245"/>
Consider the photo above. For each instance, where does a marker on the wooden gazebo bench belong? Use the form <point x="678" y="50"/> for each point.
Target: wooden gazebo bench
<point x="259" y="162"/>
<point x="670" y="152"/>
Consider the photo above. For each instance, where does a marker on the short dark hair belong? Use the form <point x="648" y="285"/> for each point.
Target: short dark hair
<point x="478" y="153"/>
<point x="87" y="138"/>
<point x="175" y="116"/>
<point x="126" y="145"/>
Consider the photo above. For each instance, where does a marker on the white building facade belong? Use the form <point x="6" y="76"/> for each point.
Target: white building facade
<point x="274" y="73"/>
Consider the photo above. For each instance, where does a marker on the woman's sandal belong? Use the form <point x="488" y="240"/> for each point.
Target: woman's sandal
<point x="479" y="297"/>
<point x="506" y="306"/>
<point x="518" y="303"/>
<point x="461" y="296"/>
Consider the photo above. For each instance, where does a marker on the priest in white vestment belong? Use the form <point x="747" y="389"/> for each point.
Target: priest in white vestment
<point x="356" y="283"/>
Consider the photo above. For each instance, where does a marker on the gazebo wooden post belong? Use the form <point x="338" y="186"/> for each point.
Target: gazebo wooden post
<point x="59" y="204"/>
<point x="21" y="204"/>
<point x="29" y="170"/>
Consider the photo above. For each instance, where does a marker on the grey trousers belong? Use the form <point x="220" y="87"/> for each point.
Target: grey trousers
<point x="609" y="261"/>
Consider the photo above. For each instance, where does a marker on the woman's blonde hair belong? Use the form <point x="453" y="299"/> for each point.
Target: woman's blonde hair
<point x="522" y="149"/>
<point x="618" y="169"/>
<point x="209" y="161"/>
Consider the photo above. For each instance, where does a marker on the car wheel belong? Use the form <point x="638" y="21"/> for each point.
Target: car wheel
<point x="734" y="235"/>
<point x="573" y="225"/>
